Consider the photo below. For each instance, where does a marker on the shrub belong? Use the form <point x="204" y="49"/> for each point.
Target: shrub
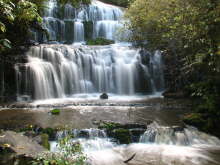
<point x="70" y="153"/>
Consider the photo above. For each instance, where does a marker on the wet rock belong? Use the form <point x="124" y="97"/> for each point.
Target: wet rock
<point x="95" y="122"/>
<point x="83" y="134"/>
<point x="174" y="95"/>
<point x="20" y="144"/>
<point x="5" y="150"/>
<point x="30" y="134"/>
<point x="136" y="133"/>
<point x="178" y="128"/>
<point x="114" y="125"/>
<point x="12" y="159"/>
<point x="135" y="125"/>
<point x="125" y="133"/>
<point x="122" y="135"/>
<point x="50" y="132"/>
<point x="33" y="131"/>
<point x="104" y="96"/>
<point x="32" y="42"/>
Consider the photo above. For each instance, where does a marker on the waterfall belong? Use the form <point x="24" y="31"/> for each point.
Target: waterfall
<point x="68" y="24"/>
<point x="57" y="71"/>
<point x="60" y="70"/>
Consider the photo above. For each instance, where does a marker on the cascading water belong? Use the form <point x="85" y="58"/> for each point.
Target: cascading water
<point x="159" y="145"/>
<point x="59" y="71"/>
<point x="70" y="25"/>
<point x="56" y="71"/>
<point x="177" y="136"/>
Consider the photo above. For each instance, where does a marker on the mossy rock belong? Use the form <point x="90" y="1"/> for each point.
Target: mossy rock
<point x="199" y="121"/>
<point x="55" y="111"/>
<point x="204" y="122"/>
<point x="50" y="132"/>
<point x="45" y="141"/>
<point x="109" y="126"/>
<point x="122" y="135"/>
<point x="100" y="41"/>
<point x="195" y="119"/>
<point x="104" y="96"/>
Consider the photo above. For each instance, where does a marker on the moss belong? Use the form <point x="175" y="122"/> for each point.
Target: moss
<point x="50" y="132"/>
<point x="122" y="135"/>
<point x="204" y="122"/>
<point x="109" y="126"/>
<point x="26" y="128"/>
<point x="55" y="111"/>
<point x="100" y="41"/>
<point x="45" y="141"/>
<point x="195" y="119"/>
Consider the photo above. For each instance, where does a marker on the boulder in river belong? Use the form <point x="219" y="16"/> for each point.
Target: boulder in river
<point x="104" y="96"/>
<point x="124" y="133"/>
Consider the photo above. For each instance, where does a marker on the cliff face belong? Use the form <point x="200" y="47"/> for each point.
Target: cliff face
<point x="8" y="73"/>
<point x="7" y="82"/>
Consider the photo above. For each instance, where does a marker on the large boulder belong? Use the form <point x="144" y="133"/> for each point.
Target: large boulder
<point x="124" y="133"/>
<point x="16" y="147"/>
<point x="20" y="144"/>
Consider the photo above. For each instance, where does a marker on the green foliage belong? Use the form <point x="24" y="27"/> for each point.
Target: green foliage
<point x="109" y="126"/>
<point x="75" y="3"/>
<point x="4" y="44"/>
<point x="15" y="20"/>
<point x="188" y="31"/>
<point x="122" y="3"/>
<point x="70" y="153"/>
<point x="50" y="132"/>
<point x="195" y="119"/>
<point x="100" y="41"/>
<point x="27" y="12"/>
<point x="55" y="111"/>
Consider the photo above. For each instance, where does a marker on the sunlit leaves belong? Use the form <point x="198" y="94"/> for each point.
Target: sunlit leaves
<point x="2" y="27"/>
<point x="4" y="43"/>
<point x="13" y="13"/>
<point x="27" y="11"/>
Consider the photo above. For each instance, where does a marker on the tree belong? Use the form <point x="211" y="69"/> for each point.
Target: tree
<point x="187" y="31"/>
<point x="17" y="16"/>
